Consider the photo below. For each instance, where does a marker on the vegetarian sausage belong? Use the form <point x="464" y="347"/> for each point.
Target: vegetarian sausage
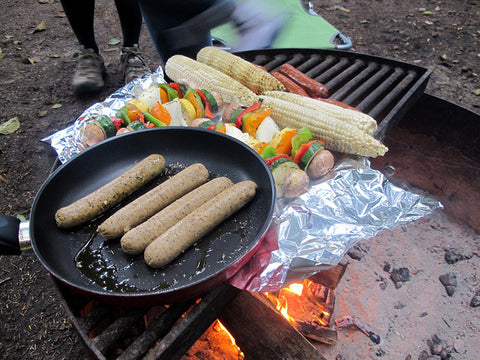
<point x="289" y="84"/>
<point x="136" y="240"/>
<point x="153" y="201"/>
<point x="109" y="195"/>
<point x="311" y="86"/>
<point x="198" y="223"/>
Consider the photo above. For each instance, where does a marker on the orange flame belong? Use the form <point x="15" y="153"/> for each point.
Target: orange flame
<point x="295" y="296"/>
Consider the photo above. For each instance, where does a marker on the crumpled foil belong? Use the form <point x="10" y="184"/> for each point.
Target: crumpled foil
<point x="309" y="233"/>
<point x="315" y="230"/>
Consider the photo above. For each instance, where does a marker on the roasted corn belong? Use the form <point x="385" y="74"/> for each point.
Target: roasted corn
<point x="180" y="68"/>
<point x="338" y="135"/>
<point x="256" y="79"/>
<point x="356" y="118"/>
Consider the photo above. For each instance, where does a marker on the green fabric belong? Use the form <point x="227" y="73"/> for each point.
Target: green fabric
<point x="301" y="30"/>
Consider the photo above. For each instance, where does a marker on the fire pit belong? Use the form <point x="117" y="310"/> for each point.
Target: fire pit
<point x="387" y="90"/>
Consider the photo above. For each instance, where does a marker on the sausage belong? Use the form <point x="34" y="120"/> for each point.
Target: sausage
<point x="198" y="223"/>
<point x="338" y="103"/>
<point x="289" y="84"/>
<point x="136" y="240"/>
<point x="153" y="201"/>
<point x="109" y="195"/>
<point x="311" y="86"/>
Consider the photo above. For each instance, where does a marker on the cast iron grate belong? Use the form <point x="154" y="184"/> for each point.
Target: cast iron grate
<point x="383" y="88"/>
<point x="155" y="332"/>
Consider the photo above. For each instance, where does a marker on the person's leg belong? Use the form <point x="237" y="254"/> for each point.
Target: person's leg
<point x="183" y="27"/>
<point x="80" y="16"/>
<point x="90" y="69"/>
<point x="133" y="64"/>
<point x="130" y="20"/>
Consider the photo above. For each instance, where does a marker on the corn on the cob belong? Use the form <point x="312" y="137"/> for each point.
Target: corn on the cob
<point x="337" y="134"/>
<point x="180" y="68"/>
<point x="356" y="118"/>
<point x="256" y="79"/>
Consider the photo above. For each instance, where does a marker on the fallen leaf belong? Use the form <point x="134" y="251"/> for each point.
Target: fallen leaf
<point x="42" y="113"/>
<point x="476" y="92"/>
<point x="56" y="106"/>
<point x="10" y="126"/>
<point x="114" y="41"/>
<point x="1" y="53"/>
<point x="428" y="13"/>
<point x="21" y="217"/>
<point x="344" y="9"/>
<point x="40" y="27"/>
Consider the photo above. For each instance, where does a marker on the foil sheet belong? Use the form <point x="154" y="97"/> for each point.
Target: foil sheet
<point x="308" y="234"/>
<point x="315" y="230"/>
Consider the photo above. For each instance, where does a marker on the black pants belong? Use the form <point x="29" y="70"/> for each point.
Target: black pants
<point x="183" y="27"/>
<point x="80" y="15"/>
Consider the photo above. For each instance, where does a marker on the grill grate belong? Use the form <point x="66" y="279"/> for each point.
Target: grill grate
<point x="157" y="332"/>
<point x="385" y="89"/>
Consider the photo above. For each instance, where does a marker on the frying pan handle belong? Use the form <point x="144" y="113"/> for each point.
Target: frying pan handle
<point x="14" y="235"/>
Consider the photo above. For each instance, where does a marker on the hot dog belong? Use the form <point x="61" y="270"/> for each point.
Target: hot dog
<point x="198" y="223"/>
<point x="311" y="86"/>
<point x="136" y="240"/>
<point x="289" y="84"/>
<point x="109" y="195"/>
<point x="338" y="103"/>
<point x="153" y="201"/>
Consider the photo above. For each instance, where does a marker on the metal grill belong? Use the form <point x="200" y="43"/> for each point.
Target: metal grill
<point x="385" y="89"/>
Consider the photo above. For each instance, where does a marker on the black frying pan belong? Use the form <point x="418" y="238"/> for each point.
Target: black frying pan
<point x="98" y="268"/>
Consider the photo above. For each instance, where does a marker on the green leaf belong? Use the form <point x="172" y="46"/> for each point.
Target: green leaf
<point x="56" y="106"/>
<point x="114" y="41"/>
<point x="1" y="53"/>
<point x="10" y="126"/>
<point x="21" y="217"/>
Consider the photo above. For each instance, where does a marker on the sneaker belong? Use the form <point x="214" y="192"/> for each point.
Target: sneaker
<point x="90" y="71"/>
<point x="133" y="64"/>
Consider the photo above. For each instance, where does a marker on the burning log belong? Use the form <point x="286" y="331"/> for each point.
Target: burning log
<point x="246" y="318"/>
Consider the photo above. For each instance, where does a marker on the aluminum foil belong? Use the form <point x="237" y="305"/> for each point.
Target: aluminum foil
<point x="315" y="230"/>
<point x="308" y="234"/>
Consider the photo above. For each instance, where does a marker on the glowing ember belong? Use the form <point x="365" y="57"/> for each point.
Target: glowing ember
<point x="220" y="327"/>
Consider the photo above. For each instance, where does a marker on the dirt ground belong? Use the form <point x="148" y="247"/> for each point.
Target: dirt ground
<point x="35" y="75"/>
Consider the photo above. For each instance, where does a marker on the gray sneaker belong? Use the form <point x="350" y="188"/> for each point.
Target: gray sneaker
<point x="89" y="74"/>
<point x="133" y="64"/>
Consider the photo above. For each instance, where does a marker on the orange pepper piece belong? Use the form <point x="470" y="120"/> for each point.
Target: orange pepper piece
<point x="253" y="121"/>
<point x="284" y="146"/>
<point x="159" y="112"/>
<point x="163" y="96"/>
